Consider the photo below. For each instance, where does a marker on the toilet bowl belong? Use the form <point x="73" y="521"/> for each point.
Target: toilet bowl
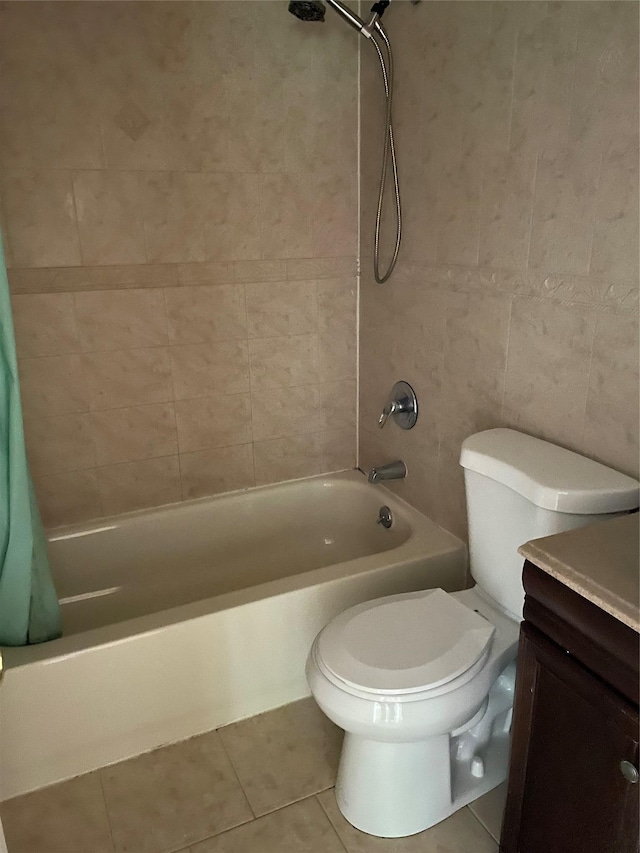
<point x="422" y="683"/>
<point x="418" y="680"/>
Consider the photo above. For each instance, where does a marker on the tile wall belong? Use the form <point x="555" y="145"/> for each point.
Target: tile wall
<point x="179" y="210"/>
<point x="516" y="299"/>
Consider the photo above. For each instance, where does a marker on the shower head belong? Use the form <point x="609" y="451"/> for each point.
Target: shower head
<point x="307" y="10"/>
<point x="313" y="10"/>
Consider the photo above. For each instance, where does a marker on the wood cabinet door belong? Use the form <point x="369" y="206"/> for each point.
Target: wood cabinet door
<point x="567" y="793"/>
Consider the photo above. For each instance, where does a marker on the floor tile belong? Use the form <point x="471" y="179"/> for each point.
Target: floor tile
<point x="65" y="818"/>
<point x="186" y="798"/>
<point x="284" y="755"/>
<point x="168" y="799"/>
<point x="300" y="828"/>
<point x="489" y="809"/>
<point x="460" y="833"/>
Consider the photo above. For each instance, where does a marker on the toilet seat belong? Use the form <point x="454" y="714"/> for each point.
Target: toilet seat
<point x="403" y="644"/>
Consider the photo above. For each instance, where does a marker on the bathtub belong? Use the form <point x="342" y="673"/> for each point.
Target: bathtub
<point x="182" y="619"/>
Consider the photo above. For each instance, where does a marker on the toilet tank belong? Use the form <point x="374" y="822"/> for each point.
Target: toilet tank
<point x="519" y="488"/>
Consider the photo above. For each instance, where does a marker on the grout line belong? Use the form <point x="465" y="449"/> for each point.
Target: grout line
<point x="261" y="218"/>
<point x="574" y="76"/>
<point x="88" y="412"/>
<point x="235" y="773"/>
<point x="534" y="183"/>
<point x="250" y="392"/>
<point x="594" y="213"/>
<point x="103" y="151"/>
<point x="99" y="467"/>
<point x="327" y="815"/>
<point x="292" y="802"/>
<point x="263" y="817"/>
<point x="506" y="359"/>
<point x="173" y="391"/>
<point x="481" y="201"/>
<point x="76" y="218"/>
<point x="486" y="828"/>
<point x="215" y="835"/>
<point x="140" y="211"/>
<point x="596" y="317"/>
<point x="513" y="87"/>
<point x="142" y="198"/>
<point x="95" y="411"/>
<point x="106" y="808"/>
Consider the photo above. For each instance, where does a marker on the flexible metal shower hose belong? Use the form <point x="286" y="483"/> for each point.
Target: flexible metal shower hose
<point x="388" y="149"/>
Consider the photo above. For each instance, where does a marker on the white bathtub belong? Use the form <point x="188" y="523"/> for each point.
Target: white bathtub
<point x="189" y="617"/>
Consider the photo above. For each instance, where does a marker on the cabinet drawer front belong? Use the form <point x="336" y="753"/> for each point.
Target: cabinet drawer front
<point x="598" y="640"/>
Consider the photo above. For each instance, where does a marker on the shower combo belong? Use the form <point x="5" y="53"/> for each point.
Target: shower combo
<point x="313" y="10"/>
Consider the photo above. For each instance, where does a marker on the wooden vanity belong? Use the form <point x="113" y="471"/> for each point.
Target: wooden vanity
<point x="573" y="781"/>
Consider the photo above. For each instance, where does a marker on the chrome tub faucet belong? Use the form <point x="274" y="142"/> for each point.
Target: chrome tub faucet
<point x="392" y="471"/>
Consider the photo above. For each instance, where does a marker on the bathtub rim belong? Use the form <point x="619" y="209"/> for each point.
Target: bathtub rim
<point x="418" y="546"/>
<point x="350" y="475"/>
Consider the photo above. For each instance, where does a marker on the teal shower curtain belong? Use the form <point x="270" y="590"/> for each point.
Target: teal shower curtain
<point x="29" y="611"/>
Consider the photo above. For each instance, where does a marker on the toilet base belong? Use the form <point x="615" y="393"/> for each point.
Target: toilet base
<point x="392" y="790"/>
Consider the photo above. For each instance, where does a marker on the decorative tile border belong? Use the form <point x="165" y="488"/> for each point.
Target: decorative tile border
<point x="69" y="279"/>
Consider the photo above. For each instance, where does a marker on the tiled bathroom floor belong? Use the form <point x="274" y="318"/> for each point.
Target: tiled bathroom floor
<point x="263" y="785"/>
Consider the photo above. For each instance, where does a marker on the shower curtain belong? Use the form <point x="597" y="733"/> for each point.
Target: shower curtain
<point x="29" y="611"/>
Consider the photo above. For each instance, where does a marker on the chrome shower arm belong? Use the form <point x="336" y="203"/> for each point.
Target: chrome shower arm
<point x="346" y="13"/>
<point x="367" y="29"/>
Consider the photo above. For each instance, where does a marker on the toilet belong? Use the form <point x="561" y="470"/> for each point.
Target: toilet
<point x="422" y="683"/>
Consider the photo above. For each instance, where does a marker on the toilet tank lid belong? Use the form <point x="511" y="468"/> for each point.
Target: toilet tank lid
<point x="549" y="476"/>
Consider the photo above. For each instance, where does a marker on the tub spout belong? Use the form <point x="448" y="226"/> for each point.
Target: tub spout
<point x="392" y="471"/>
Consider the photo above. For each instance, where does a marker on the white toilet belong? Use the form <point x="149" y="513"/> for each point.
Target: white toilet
<point x="422" y="683"/>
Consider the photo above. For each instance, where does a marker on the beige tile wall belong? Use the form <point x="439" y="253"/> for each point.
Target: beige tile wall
<point x="516" y="299"/>
<point x="178" y="189"/>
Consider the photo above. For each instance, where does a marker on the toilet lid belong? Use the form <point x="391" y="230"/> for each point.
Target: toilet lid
<point x="404" y="643"/>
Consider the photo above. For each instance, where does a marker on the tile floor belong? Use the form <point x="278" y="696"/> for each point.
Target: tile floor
<point x="263" y="785"/>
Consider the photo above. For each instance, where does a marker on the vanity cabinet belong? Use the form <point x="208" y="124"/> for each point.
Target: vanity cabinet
<point x="574" y="754"/>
